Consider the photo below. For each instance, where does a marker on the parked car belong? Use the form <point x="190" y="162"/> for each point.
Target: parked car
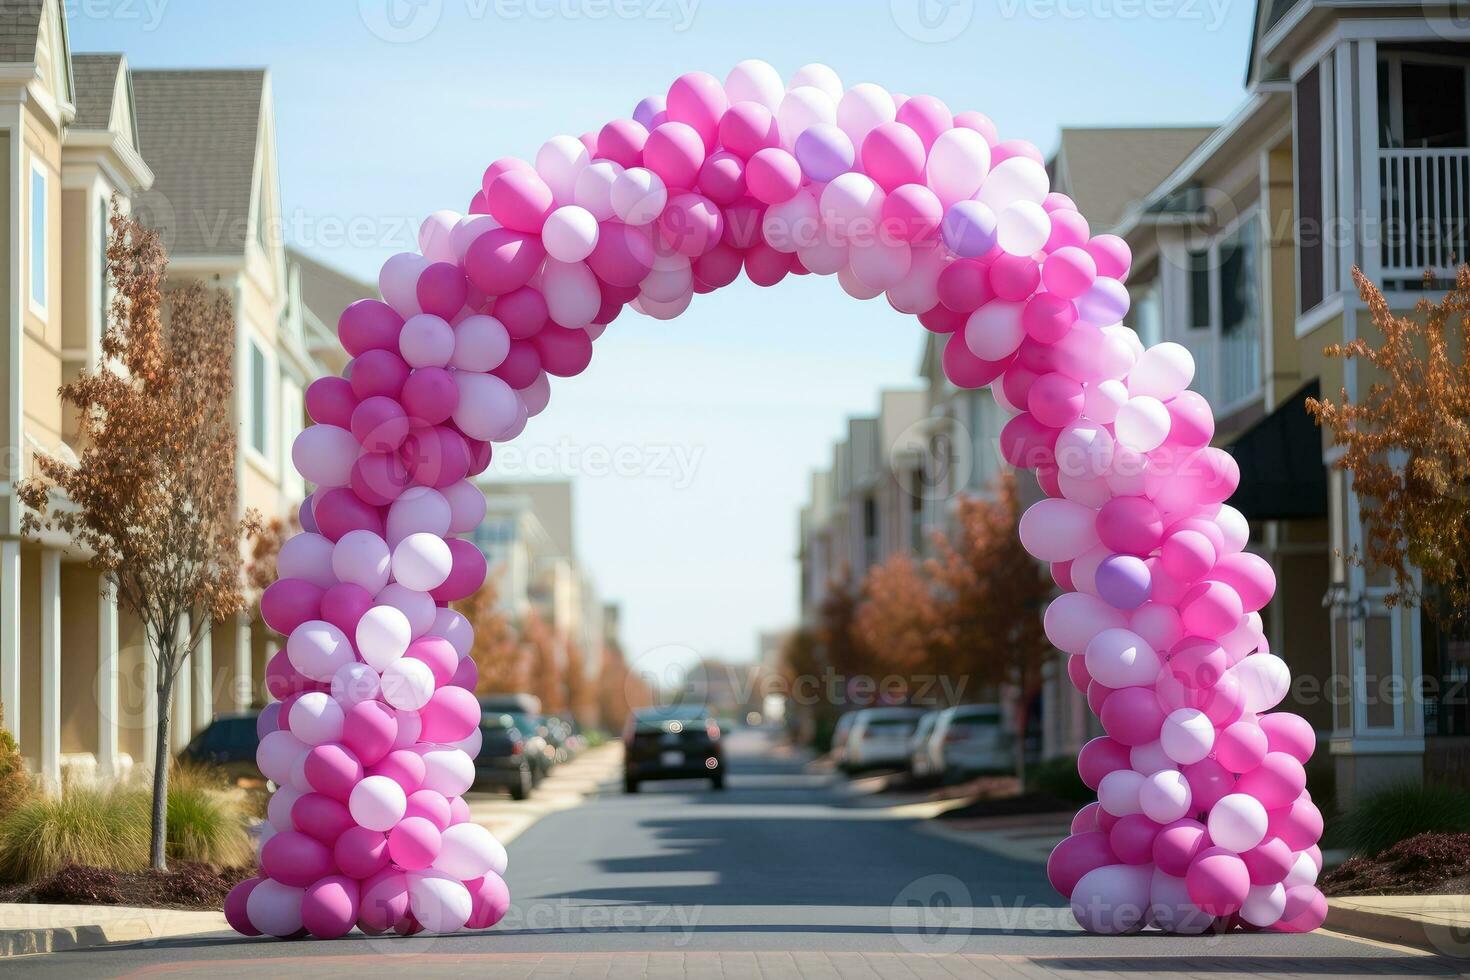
<point x="502" y="763"/>
<point x="923" y="760"/>
<point x="969" y="741"/>
<point x="672" y="742"/>
<point x="840" y="732"/>
<point x="229" y="742"/>
<point x="879" y="738"/>
<point x="528" y="722"/>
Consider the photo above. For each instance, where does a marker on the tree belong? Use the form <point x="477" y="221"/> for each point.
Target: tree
<point x="898" y="619"/>
<point x="153" y="497"/>
<point x="619" y="690"/>
<point x="989" y="593"/>
<point x="265" y="548"/>
<point x="543" y="656"/>
<point x="581" y="697"/>
<point x="1406" y="442"/>
<point x="500" y="657"/>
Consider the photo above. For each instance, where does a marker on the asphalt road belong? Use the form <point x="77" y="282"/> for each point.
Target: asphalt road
<point x="782" y="874"/>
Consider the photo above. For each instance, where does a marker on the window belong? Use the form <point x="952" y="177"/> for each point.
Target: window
<point x="870" y="531"/>
<point x="1146" y="313"/>
<point x="1422" y="101"/>
<point x="258" y="417"/>
<point x="1199" y="288"/>
<point x="293" y="413"/>
<point x="39" y="245"/>
<point x="1225" y="304"/>
<point x="1240" y="286"/>
<point x="104" y="228"/>
<point x="1310" y="250"/>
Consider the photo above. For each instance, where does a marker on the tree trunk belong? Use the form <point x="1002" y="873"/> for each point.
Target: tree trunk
<point x="158" y="833"/>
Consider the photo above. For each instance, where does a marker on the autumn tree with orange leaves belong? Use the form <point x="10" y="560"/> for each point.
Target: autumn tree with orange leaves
<point x="500" y="658"/>
<point x="898" y="621"/>
<point x="1406" y="442"/>
<point x="153" y="496"/>
<point x="544" y="662"/>
<point x="989" y="594"/>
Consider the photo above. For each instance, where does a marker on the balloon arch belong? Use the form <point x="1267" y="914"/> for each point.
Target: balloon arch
<point x="1203" y="820"/>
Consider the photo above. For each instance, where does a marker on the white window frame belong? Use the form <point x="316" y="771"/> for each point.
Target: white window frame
<point x="263" y="457"/>
<point x="39" y="308"/>
<point x="293" y="410"/>
<point x="1252" y="212"/>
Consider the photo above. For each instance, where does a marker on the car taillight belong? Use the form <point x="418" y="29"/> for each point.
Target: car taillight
<point x="713" y="731"/>
<point x="516" y="748"/>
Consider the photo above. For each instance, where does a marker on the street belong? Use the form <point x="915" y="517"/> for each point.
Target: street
<point x="785" y="873"/>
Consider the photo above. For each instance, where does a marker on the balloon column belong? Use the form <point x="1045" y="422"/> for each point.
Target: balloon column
<point x="1203" y="816"/>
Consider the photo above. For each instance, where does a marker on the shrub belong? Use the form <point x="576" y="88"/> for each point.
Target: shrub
<point x="1058" y="778"/>
<point x="206" y="822"/>
<point x="100" y="827"/>
<point x="1382" y="819"/>
<point x="15" y="782"/>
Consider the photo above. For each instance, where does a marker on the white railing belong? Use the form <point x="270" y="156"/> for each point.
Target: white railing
<point x="1426" y="204"/>
<point x="1239" y="363"/>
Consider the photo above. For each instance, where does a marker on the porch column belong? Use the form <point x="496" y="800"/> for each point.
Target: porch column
<point x="243" y="681"/>
<point x="51" y="670"/>
<point x="10" y="636"/>
<point x="107" y="685"/>
<point x="182" y="729"/>
<point x="203" y="667"/>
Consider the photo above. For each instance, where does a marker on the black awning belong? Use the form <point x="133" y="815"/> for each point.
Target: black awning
<point x="1282" y="476"/>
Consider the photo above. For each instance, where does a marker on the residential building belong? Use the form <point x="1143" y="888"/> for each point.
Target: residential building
<point x="192" y="154"/>
<point x="869" y="504"/>
<point x="529" y="543"/>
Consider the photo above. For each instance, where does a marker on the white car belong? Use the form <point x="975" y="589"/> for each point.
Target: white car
<point x="879" y="738"/>
<point x="923" y="757"/>
<point x="968" y="740"/>
<point x="840" y="732"/>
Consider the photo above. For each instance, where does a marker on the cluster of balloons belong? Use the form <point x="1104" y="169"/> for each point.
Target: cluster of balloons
<point x="1203" y="815"/>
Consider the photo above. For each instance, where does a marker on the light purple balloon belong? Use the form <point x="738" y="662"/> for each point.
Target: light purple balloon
<point x="647" y="109"/>
<point x="824" y="152"/>
<point x="1123" y="581"/>
<point x="968" y="229"/>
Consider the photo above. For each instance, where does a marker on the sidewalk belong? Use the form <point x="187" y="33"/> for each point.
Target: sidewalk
<point x="1439" y="923"/>
<point x="27" y="929"/>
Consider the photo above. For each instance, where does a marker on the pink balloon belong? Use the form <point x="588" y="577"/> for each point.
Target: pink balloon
<point x="369" y="324"/>
<point x="442" y="289"/>
<point x="339" y="511"/>
<point x="360" y="852"/>
<point x="322" y="817"/>
<point x="893" y="154"/>
<point x="623" y="256"/>
<point x="439" y="654"/>
<point x="502" y="260"/>
<point x="384" y="902"/>
<point x="1208" y="783"/>
<point x="293" y="858"/>
<point x="369" y="729"/>
<point x="912" y="213"/>
<point x="1048" y="317"/>
<point x="1217" y="881"/>
<point x="378" y="372"/>
<point x="1289" y="733"/>
<point x="1210" y="609"/>
<point x="235" y="904"/>
<point x="1013" y="278"/>
<point x="1269" y="861"/>
<point x="329" y="908"/>
<point x="404" y="766"/>
<point x="490" y="900"/>
<point x="926" y="116"/>
<point x="431" y="806"/>
<point x="621" y="141"/>
<point x="414" y="843"/>
<point x="1101" y="756"/>
<point x="429" y="397"/>
<point x="1074" y="857"/>
<point x="451" y="714"/>
<point x="1131" y="525"/>
<point x="1276" y="782"/>
<point x="466" y="575"/>
<point x="773" y="175"/>
<point x="330" y="401"/>
<point x="1177" y="844"/>
<point x="1068" y="272"/>
<point x="1299" y="823"/>
<point x="691" y="224"/>
<point x="966" y="370"/>
<point x="674" y="151"/>
<point x="287" y="603"/>
<point x="1132" y="838"/>
<point x="1249" y="575"/>
<point x="519" y="200"/>
<point x="1132" y="716"/>
<point x="1241" y="747"/>
<point x="332" y="769"/>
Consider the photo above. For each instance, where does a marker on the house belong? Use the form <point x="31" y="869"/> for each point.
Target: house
<point x="1351" y="148"/>
<point x="191" y="153"/>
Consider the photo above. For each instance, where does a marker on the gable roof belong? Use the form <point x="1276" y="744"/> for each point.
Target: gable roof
<point x="326" y="291"/>
<point x="1109" y="170"/>
<point x="20" y="25"/>
<point x="199" y="130"/>
<point x="95" y="76"/>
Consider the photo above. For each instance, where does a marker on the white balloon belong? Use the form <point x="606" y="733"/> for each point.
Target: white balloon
<point x="995" y="330"/>
<point x="418" y="606"/>
<point x="469" y="229"/>
<point x="361" y="557"/>
<point x="453" y="627"/>
<point x="1113" y="899"/>
<point x="851" y="206"/>
<point x="481" y="343"/>
<point x="792" y="223"/>
<point x="307" y="556"/>
<point x="1188" y="735"/>
<point x="802" y="108"/>
<point x="438" y="902"/>
<point x="324" y="454"/>
<point x="863" y="108"/>
<point x="1303" y="872"/>
<point x="274" y="908"/>
<point x="1118" y="792"/>
<point x="1264" y="904"/>
<point x="317" y="648"/>
<point x="1237" y="822"/>
<point x="1142" y="424"/>
<point x="559" y="162"/>
<point x="383" y="634"/>
<point x="1014" y="179"/>
<point x="1121" y="658"/>
<point x="1164" y="796"/>
<point x="487" y="410"/>
<point x="1163" y="371"/>
<point x="754" y="80"/>
<point x="354" y="683"/>
<point x="1234" y="527"/>
<point x="1149" y="758"/>
<point x="572" y="294"/>
<point x="881" y="265"/>
<point x="1074" y="618"/>
<point x="958" y="162"/>
<point x="277" y="753"/>
<point x="1101" y="401"/>
<point x="422" y="561"/>
<point x="398" y="282"/>
<point x="1058" y="530"/>
<point x="1171" y="909"/>
<point x="1085" y="448"/>
<point x="435" y="236"/>
<point x="278" y="810"/>
<point x="468" y="850"/>
<point x="570" y="233"/>
<point x="639" y="196"/>
<point x="316" y="718"/>
<point x="377" y="803"/>
<point x="594" y="188"/>
<point x="668" y="282"/>
<point x="448" y="771"/>
<point x="818" y="76"/>
<point x="1023" y="227"/>
<point x="408" y="683"/>
<point x="824" y="257"/>
<point x="1264" y="681"/>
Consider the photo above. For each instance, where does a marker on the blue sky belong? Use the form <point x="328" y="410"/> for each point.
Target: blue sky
<point x="387" y="110"/>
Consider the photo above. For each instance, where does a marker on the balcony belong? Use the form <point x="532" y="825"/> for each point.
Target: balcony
<point x="1426" y="201"/>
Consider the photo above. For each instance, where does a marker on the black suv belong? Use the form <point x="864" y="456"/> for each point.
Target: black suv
<point x="502" y="762"/>
<point x="229" y="742"/>
<point x="672" y="742"/>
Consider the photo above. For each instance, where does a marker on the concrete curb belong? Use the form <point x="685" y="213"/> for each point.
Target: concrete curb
<point x="26" y="929"/>
<point x="1437" y="923"/>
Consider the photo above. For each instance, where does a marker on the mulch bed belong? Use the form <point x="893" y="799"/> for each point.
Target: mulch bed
<point x="184" y="885"/>
<point x="1428" y="864"/>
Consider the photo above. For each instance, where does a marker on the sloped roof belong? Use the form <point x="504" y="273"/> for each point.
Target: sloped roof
<point x="95" y="76"/>
<point x="1109" y="170"/>
<point x="20" y="23"/>
<point x="198" y="130"/>
<point x="326" y="291"/>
